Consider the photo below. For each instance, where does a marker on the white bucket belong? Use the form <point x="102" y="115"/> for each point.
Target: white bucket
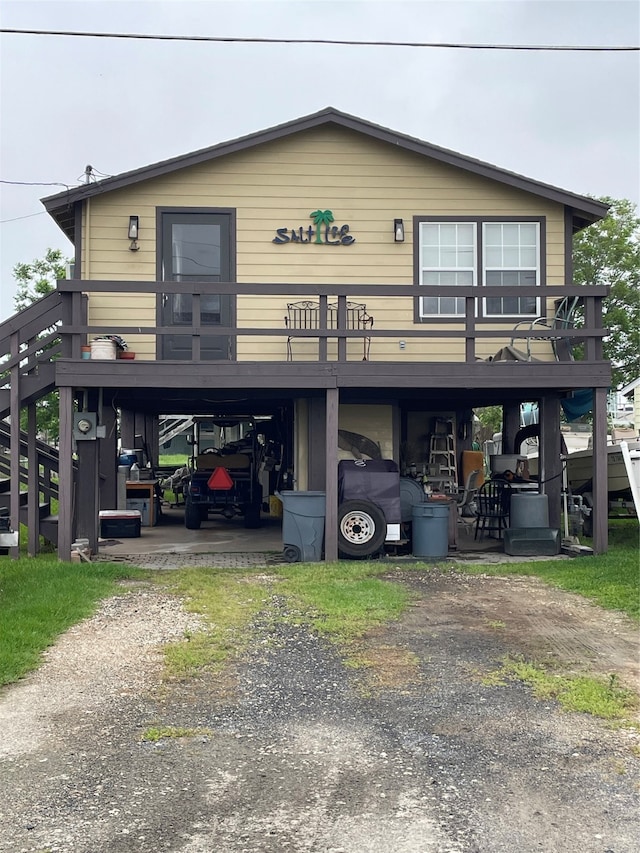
<point x="105" y="350"/>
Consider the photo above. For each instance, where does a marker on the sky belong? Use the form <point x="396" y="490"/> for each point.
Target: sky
<point x="568" y="119"/>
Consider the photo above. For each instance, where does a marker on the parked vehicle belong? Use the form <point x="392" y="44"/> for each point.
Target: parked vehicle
<point x="225" y="479"/>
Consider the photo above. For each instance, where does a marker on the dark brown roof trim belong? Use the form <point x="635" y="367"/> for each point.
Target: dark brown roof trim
<point x="585" y="209"/>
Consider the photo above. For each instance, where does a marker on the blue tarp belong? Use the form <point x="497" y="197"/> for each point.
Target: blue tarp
<point x="578" y="404"/>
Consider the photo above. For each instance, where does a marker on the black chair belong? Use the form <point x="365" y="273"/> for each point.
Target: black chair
<point x="492" y="507"/>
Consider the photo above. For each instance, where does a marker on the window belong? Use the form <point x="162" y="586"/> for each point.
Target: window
<point x="447" y="256"/>
<point x="511" y="258"/>
<point x="451" y="253"/>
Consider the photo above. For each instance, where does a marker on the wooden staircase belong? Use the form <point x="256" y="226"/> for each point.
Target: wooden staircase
<point x="29" y="346"/>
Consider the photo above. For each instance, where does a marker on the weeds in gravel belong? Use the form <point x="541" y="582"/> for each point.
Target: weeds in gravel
<point x="40" y="598"/>
<point x="227" y="603"/>
<point x="155" y="733"/>
<point x="339" y="601"/>
<point x="343" y="600"/>
<point x="604" y="698"/>
<point x="612" y="580"/>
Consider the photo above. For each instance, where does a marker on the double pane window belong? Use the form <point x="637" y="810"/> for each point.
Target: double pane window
<point x="449" y="254"/>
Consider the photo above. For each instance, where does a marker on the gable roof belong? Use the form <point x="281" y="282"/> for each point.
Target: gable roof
<point x="60" y="206"/>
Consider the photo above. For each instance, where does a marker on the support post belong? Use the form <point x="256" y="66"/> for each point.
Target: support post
<point x="600" y="484"/>
<point x="14" y="432"/>
<point x="510" y="425"/>
<point x="87" y="487"/>
<point x="331" y="478"/>
<point x="65" y="503"/>
<point x="107" y="452"/>
<point x="33" y="487"/>
<point x="550" y="461"/>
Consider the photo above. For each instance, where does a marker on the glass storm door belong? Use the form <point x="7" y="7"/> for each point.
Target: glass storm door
<point x="196" y="247"/>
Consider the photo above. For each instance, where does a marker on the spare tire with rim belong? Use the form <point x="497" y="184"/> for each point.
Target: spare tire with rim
<point x="362" y="528"/>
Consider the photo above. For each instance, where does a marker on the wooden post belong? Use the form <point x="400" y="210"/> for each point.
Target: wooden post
<point x="510" y="425"/>
<point x="14" y="431"/>
<point x="600" y="484"/>
<point x="331" y="478"/>
<point x="107" y="452"/>
<point x="33" y="486"/>
<point x="550" y="470"/>
<point x="65" y="504"/>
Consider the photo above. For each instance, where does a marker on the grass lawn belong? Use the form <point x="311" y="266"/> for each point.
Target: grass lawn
<point x="40" y="598"/>
<point x="612" y="580"/>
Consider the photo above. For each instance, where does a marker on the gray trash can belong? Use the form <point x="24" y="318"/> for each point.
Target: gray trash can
<point x="303" y="516"/>
<point x="430" y="529"/>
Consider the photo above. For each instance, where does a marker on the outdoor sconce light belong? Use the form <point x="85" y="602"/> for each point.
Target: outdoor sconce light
<point x="134" y="227"/>
<point x="398" y="230"/>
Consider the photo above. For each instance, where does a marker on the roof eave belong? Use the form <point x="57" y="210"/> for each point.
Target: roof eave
<point x="585" y="209"/>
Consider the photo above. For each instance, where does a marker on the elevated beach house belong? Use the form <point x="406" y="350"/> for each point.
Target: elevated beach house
<point x="327" y="272"/>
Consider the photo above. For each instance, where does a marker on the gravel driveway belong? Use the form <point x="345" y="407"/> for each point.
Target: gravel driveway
<point x="296" y="752"/>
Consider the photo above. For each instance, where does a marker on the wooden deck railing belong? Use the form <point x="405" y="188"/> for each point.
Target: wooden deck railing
<point x="472" y="329"/>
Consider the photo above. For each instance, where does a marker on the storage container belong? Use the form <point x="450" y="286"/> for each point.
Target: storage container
<point x="103" y="349"/>
<point x="119" y="523"/>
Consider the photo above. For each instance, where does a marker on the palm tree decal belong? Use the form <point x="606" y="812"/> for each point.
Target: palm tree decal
<point x="321" y="217"/>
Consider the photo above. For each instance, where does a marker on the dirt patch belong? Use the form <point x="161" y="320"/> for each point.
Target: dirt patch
<point x="532" y="619"/>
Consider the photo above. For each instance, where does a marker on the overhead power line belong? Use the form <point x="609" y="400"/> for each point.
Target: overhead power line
<point x="256" y="40"/>
<point x="35" y="183"/>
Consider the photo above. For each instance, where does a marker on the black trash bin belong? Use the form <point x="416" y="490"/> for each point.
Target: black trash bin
<point x="303" y="515"/>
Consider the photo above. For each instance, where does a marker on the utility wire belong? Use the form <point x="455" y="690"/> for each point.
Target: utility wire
<point x="27" y="216"/>
<point x="255" y="40"/>
<point x="35" y="183"/>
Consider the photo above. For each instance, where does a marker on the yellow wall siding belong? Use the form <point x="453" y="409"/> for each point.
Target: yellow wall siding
<point x="364" y="182"/>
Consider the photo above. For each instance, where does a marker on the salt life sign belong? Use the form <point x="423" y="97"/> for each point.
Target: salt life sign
<point x="325" y="232"/>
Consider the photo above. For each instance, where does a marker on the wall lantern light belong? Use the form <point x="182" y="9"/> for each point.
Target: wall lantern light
<point x="398" y="230"/>
<point x="134" y="227"/>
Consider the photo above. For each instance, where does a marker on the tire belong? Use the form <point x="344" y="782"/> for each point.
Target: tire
<point x="291" y="554"/>
<point x="362" y="529"/>
<point x="192" y="515"/>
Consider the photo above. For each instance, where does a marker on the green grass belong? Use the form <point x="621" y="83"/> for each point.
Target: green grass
<point x="604" y="698"/>
<point x="227" y="603"/>
<point x="340" y="601"/>
<point x="612" y="580"/>
<point x="40" y="598"/>
<point x="155" y="733"/>
<point x="176" y="460"/>
<point x="343" y="600"/>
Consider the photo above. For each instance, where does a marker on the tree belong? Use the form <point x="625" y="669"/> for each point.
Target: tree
<point x="608" y="252"/>
<point x="36" y="280"/>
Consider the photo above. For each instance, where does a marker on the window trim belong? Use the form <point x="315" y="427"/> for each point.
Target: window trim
<point x="480" y="271"/>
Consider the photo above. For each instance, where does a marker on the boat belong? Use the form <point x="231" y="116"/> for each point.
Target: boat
<point x="580" y="470"/>
<point x="580" y="462"/>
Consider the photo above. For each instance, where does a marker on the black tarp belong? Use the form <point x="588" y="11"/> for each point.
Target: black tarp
<point x="375" y="480"/>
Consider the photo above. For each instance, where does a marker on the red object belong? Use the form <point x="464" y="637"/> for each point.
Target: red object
<point x="220" y="480"/>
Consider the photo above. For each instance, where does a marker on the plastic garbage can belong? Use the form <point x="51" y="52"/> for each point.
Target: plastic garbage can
<point x="528" y="510"/>
<point x="303" y="515"/>
<point x="430" y="529"/>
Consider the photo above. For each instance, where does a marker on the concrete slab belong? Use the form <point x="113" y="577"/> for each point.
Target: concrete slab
<point x="228" y="544"/>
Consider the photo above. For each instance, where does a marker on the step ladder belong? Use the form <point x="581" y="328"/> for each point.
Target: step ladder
<point x="442" y="455"/>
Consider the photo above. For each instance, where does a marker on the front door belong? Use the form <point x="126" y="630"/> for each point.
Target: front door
<point x="196" y="247"/>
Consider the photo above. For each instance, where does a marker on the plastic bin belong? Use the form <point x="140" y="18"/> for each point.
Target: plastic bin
<point x="430" y="529"/>
<point x="147" y="509"/>
<point x="119" y="524"/>
<point x="527" y="510"/>
<point x="303" y="525"/>
<point x="532" y="542"/>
